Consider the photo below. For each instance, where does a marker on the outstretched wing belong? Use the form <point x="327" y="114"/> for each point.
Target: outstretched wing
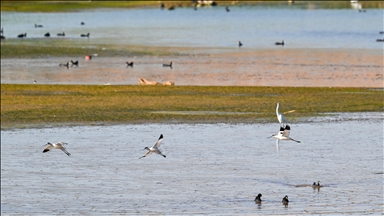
<point x="286" y="131"/>
<point x="149" y="152"/>
<point x="157" y="144"/>
<point x="65" y="151"/>
<point x="48" y="146"/>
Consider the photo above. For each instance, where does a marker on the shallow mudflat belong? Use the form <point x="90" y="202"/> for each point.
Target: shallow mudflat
<point x="209" y="169"/>
<point x="275" y="67"/>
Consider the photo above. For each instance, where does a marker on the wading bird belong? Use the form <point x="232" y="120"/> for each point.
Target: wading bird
<point x="280" y="117"/>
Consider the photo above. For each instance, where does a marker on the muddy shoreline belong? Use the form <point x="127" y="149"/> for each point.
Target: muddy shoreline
<point x="237" y="67"/>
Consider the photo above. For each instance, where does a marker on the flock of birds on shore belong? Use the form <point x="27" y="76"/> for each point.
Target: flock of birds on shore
<point x="155" y="149"/>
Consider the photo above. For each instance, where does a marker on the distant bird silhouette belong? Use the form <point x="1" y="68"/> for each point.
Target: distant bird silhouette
<point x="316" y="186"/>
<point x="61" y="34"/>
<point x="240" y="44"/>
<point x="47" y="34"/>
<point x="382" y="32"/>
<point x="362" y="10"/>
<point x="162" y="6"/>
<point x="34" y="81"/>
<point x="22" y="35"/>
<point x="280" y="43"/>
<point x="76" y="63"/>
<point x="171" y="8"/>
<point x="168" y="65"/>
<point x="38" y="26"/>
<point x="82" y="23"/>
<point x="64" y="65"/>
<point x="129" y="64"/>
<point x="88" y="57"/>
<point x="258" y="199"/>
<point x="380" y="40"/>
<point x="285" y="200"/>
<point x="227" y="9"/>
<point x="85" y="35"/>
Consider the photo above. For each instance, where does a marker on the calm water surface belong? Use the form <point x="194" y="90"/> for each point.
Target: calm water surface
<point x="301" y="25"/>
<point x="209" y="169"/>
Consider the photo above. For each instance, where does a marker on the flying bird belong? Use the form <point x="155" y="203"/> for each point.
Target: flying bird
<point x="154" y="148"/>
<point x="58" y="145"/>
<point x="283" y="135"/>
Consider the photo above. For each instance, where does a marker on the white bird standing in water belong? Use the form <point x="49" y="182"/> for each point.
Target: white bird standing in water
<point x="280" y="116"/>
<point x="155" y="148"/>
<point x="58" y="145"/>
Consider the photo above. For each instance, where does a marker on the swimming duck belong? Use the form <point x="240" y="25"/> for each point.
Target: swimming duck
<point x="258" y="199"/>
<point x="316" y="186"/>
<point x="168" y="65"/>
<point x="285" y="200"/>
<point x="85" y="35"/>
<point x="280" y="43"/>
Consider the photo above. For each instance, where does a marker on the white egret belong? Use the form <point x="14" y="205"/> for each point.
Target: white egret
<point x="280" y="116"/>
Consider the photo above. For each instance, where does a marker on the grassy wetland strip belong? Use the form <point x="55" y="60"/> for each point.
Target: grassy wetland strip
<point x="66" y="6"/>
<point x="42" y="105"/>
<point x="34" y="49"/>
<point x="69" y="6"/>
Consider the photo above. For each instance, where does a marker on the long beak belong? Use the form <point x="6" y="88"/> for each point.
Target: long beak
<point x="290" y="111"/>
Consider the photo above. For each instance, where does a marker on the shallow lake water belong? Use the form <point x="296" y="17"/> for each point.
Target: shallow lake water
<point x="301" y="25"/>
<point x="209" y="169"/>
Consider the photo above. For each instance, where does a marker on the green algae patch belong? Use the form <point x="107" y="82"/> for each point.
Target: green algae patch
<point x="33" y="48"/>
<point x="23" y="105"/>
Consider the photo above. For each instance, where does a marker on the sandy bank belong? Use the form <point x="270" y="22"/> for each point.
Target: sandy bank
<point x="241" y="67"/>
